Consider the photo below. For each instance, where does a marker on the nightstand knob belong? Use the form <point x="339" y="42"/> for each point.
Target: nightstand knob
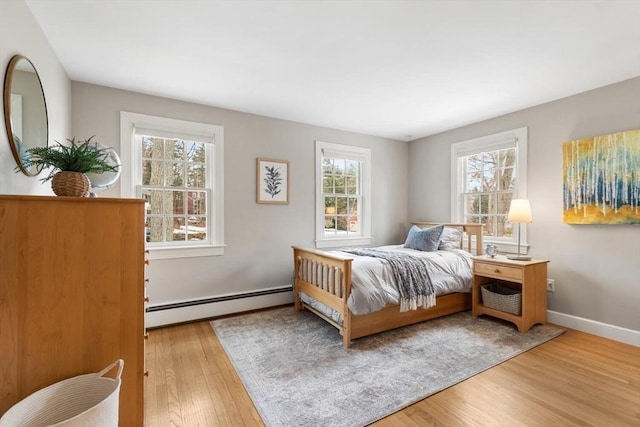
<point x="497" y="270"/>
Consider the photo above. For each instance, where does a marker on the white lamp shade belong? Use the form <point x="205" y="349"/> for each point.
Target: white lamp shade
<point x="519" y="211"/>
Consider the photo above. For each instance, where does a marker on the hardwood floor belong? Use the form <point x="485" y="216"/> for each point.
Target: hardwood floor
<point x="576" y="379"/>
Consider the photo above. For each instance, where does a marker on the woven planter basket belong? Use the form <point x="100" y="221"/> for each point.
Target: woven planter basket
<point x="74" y="184"/>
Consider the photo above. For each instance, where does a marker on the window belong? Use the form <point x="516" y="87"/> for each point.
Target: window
<point x="177" y="167"/>
<point x="342" y="195"/>
<point x="488" y="173"/>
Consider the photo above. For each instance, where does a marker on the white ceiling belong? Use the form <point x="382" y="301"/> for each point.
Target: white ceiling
<point x="398" y="69"/>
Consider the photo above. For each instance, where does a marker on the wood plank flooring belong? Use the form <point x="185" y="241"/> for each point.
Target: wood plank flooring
<point x="576" y="379"/>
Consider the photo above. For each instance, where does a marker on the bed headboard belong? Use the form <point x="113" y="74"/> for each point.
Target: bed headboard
<point x="472" y="231"/>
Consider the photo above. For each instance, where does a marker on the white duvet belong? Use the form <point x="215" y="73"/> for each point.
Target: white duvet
<point x="373" y="286"/>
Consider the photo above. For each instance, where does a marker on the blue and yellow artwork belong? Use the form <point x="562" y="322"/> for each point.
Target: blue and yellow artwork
<point x="602" y="179"/>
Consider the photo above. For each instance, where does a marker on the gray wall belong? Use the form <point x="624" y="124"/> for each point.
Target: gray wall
<point x="21" y="34"/>
<point x="258" y="237"/>
<point x="596" y="267"/>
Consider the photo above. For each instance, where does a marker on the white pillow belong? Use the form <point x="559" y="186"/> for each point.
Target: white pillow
<point x="451" y="238"/>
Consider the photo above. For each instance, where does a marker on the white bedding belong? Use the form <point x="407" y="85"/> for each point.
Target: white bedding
<point x="373" y="286"/>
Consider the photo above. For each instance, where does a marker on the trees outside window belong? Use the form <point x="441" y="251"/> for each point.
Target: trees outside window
<point x="487" y="173"/>
<point x="343" y="195"/>
<point x="177" y="167"/>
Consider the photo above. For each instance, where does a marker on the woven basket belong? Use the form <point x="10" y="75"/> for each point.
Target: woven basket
<point x="502" y="298"/>
<point x="90" y="400"/>
<point x="74" y="184"/>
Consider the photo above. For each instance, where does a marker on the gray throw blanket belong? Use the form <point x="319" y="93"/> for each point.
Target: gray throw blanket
<point x="411" y="276"/>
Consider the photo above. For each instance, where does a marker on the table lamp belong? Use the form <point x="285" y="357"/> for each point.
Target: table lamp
<point x="519" y="211"/>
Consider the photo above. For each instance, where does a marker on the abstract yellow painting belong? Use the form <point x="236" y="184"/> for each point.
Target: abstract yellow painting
<point x="602" y="179"/>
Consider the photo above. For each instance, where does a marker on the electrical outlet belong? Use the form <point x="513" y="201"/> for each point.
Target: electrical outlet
<point x="551" y="285"/>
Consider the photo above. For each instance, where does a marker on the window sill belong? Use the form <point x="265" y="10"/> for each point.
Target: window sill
<point x="190" y="252"/>
<point x="340" y="243"/>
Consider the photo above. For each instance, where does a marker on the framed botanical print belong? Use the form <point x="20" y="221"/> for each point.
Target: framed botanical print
<point x="272" y="184"/>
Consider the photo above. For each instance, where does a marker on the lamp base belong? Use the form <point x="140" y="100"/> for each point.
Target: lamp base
<point x="519" y="257"/>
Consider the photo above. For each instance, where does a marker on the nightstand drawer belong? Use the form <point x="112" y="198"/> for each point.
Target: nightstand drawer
<point x="497" y="271"/>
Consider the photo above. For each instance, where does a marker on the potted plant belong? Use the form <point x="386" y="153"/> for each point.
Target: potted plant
<point x="69" y="165"/>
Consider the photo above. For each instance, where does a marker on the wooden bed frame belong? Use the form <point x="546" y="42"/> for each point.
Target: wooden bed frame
<point x="327" y="279"/>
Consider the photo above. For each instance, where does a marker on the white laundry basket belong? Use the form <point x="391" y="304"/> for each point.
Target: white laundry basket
<point x="90" y="400"/>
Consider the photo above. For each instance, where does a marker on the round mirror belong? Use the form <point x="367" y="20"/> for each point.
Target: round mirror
<point x="25" y="111"/>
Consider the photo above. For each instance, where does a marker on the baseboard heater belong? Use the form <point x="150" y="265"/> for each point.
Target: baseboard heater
<point x="221" y="298"/>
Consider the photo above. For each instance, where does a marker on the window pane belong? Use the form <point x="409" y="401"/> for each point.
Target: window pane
<point x="152" y="148"/>
<point x="154" y="200"/>
<point x="504" y="227"/>
<point x="339" y="166"/>
<point x="353" y="205"/>
<point x="175" y="176"/>
<point x="174" y="149"/>
<point x="177" y="229"/>
<point x="195" y="151"/>
<point x="352" y="167"/>
<point x="340" y="189"/>
<point x="342" y="223"/>
<point x="486" y="230"/>
<point x="473" y="168"/>
<point x="489" y="171"/>
<point x="327" y="184"/>
<point x="504" y="201"/>
<point x="152" y="172"/>
<point x="327" y="165"/>
<point x="471" y="204"/>
<point x="352" y="185"/>
<point x="196" y="175"/>
<point x="485" y="203"/>
<point x="173" y="202"/>
<point x="507" y="158"/>
<point x="196" y="228"/>
<point x="197" y="203"/>
<point x="329" y="223"/>
<point x="491" y="204"/>
<point x="330" y="205"/>
<point x="353" y="224"/>
<point x="341" y="205"/>
<point x="154" y="231"/>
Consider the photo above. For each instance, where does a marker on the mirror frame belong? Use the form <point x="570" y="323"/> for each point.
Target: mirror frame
<point x="8" y="81"/>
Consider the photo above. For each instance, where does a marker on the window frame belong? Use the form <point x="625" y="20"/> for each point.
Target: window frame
<point x="131" y="176"/>
<point x="516" y="138"/>
<point x="363" y="155"/>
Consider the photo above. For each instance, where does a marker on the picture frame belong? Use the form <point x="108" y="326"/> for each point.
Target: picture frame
<point x="600" y="179"/>
<point x="272" y="181"/>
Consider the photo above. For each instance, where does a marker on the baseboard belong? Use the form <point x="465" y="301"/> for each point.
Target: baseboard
<point x="627" y="336"/>
<point x="187" y="311"/>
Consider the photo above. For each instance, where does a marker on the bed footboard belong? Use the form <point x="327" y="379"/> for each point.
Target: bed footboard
<point x="327" y="279"/>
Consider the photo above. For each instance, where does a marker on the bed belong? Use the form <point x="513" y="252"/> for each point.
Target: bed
<point x="323" y="283"/>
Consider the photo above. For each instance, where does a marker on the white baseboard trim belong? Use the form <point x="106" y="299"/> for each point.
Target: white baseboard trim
<point x="627" y="336"/>
<point x="188" y="311"/>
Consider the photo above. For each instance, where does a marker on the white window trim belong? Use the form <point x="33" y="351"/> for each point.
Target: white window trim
<point x="365" y="237"/>
<point x="131" y="174"/>
<point x="517" y="137"/>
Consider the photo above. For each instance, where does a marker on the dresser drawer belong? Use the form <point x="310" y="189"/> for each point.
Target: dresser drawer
<point x="498" y="271"/>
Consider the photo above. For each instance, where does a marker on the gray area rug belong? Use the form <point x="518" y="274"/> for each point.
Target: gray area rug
<point x="298" y="374"/>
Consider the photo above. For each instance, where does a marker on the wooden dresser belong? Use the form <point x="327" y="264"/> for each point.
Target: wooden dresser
<point x="71" y="294"/>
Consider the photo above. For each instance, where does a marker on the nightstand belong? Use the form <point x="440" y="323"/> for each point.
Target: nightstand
<point x="530" y="277"/>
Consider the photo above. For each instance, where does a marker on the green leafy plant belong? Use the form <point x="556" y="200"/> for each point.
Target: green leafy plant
<point x="79" y="156"/>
